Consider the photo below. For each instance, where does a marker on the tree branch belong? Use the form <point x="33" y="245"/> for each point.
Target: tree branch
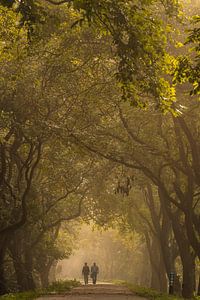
<point x="29" y="178"/>
<point x="58" y="2"/>
<point x="57" y="222"/>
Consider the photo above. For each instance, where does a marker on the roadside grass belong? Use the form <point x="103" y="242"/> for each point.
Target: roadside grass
<point x="150" y="293"/>
<point x="58" y="287"/>
<point x="21" y="296"/>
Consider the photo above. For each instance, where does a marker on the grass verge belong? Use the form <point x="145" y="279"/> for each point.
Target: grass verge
<point x="150" y="293"/>
<point x="21" y="296"/>
<point x="58" y="287"/>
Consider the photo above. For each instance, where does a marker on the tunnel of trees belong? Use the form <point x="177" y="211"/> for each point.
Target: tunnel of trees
<point x="99" y="104"/>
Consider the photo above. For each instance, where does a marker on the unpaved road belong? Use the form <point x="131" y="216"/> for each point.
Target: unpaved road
<point x="96" y="292"/>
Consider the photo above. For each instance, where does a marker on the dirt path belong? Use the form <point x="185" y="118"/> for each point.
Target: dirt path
<point x="96" y="292"/>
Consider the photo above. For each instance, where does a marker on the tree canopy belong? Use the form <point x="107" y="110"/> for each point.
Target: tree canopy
<point x="99" y="124"/>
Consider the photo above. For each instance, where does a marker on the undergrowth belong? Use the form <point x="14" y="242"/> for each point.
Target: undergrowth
<point x="21" y="296"/>
<point x="58" y="287"/>
<point x="150" y="293"/>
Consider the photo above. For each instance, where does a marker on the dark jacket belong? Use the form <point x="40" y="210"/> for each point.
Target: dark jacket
<point x="85" y="270"/>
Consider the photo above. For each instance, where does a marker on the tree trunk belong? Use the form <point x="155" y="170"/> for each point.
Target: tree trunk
<point x="3" y="289"/>
<point x="164" y="240"/>
<point x="154" y="257"/>
<point x="198" y="290"/>
<point x="188" y="278"/>
<point x="44" y="274"/>
<point x="3" y="248"/>
<point x="184" y="246"/>
<point x="16" y="252"/>
<point x="29" y="269"/>
<point x="162" y="275"/>
<point x="20" y="274"/>
<point x="52" y="272"/>
<point x="162" y="229"/>
<point x="187" y="258"/>
<point x="155" y="280"/>
<point x="192" y="232"/>
<point x="44" y="277"/>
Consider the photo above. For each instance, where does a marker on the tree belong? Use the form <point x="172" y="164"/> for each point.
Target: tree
<point x="138" y="37"/>
<point x="188" y="67"/>
<point x="63" y="119"/>
<point x="30" y="120"/>
<point x="176" y="185"/>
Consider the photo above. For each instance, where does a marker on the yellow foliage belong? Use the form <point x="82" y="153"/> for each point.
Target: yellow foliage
<point x="13" y="37"/>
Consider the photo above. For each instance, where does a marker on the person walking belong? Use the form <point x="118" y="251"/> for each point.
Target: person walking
<point x="85" y="273"/>
<point x="94" y="272"/>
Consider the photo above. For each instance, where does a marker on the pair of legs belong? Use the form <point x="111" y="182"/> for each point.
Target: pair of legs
<point x="86" y="278"/>
<point x="94" y="278"/>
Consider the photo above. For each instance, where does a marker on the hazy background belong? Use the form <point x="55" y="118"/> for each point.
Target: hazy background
<point x="118" y="258"/>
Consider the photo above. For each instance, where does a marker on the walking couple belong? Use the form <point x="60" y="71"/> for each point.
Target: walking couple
<point x="93" y="273"/>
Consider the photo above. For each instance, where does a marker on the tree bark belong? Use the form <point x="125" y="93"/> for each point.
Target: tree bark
<point x="198" y="290"/>
<point x="44" y="273"/>
<point x="20" y="274"/>
<point x="162" y="277"/>
<point x="188" y="287"/>
<point x="52" y="272"/>
<point x="162" y="229"/>
<point x="44" y="277"/>
<point x="192" y="233"/>
<point x="3" y="248"/>
<point x="158" y="277"/>
<point x="29" y="269"/>
<point x="18" y="263"/>
<point x="184" y="246"/>
<point x="187" y="258"/>
<point x="3" y="289"/>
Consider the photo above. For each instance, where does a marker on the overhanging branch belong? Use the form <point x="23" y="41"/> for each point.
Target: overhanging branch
<point x="54" y="2"/>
